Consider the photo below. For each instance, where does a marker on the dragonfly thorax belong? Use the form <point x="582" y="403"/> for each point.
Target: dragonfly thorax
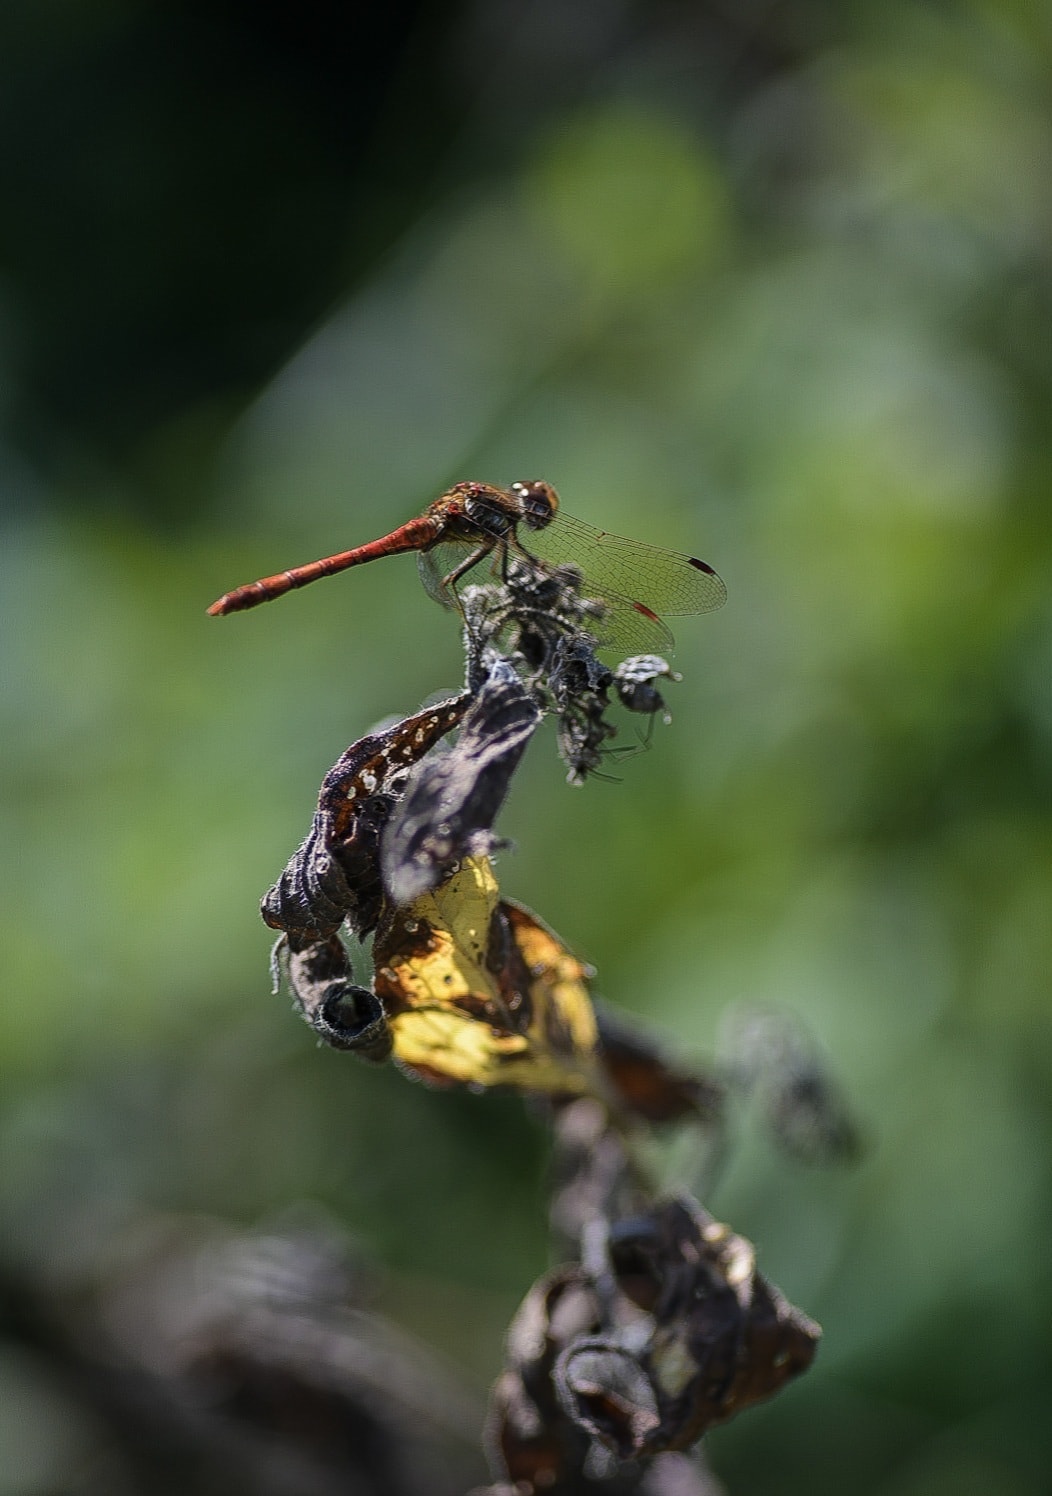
<point x="487" y="511"/>
<point x="536" y="503"/>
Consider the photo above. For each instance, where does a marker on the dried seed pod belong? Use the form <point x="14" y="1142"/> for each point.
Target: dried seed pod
<point x="576" y="670"/>
<point x="553" y="633"/>
<point x="533" y="611"/>
<point x="634" y="683"/>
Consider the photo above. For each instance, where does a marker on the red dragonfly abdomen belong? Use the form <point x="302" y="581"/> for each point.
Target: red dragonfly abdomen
<point x="415" y="535"/>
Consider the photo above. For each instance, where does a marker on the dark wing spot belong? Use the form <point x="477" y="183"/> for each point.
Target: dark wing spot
<point x="647" y="612"/>
<point x="702" y="565"/>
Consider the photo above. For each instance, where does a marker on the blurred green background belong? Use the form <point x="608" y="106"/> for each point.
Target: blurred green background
<point x="768" y="283"/>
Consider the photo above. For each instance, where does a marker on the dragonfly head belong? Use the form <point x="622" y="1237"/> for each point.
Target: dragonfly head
<point x="536" y="502"/>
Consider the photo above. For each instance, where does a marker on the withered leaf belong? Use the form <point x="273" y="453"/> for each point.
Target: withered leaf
<point x="454" y="799"/>
<point x="722" y="1337"/>
<point x="335" y="875"/>
<point x="645" y="1081"/>
<point x="640" y="1353"/>
<point x="478" y="992"/>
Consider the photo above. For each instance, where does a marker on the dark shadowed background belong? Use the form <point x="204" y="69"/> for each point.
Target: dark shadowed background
<point x="767" y="282"/>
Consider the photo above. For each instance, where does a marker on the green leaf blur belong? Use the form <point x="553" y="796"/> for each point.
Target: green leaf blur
<point x="786" y="306"/>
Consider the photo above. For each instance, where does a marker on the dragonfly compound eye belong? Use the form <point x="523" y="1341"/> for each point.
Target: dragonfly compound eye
<point x="537" y="503"/>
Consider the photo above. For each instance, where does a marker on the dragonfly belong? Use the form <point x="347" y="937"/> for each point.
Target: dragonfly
<point x="635" y="583"/>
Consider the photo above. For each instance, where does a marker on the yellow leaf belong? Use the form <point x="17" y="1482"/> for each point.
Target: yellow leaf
<point x="479" y="993"/>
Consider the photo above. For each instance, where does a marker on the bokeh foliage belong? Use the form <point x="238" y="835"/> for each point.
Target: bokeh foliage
<point x="771" y="286"/>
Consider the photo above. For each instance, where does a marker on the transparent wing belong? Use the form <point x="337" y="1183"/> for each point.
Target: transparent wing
<point x="442" y="560"/>
<point x="628" y="631"/>
<point x="661" y="581"/>
<point x="626" y="626"/>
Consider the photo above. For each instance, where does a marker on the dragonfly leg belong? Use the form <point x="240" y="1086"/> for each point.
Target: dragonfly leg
<point x="450" y="581"/>
<point x="513" y="543"/>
